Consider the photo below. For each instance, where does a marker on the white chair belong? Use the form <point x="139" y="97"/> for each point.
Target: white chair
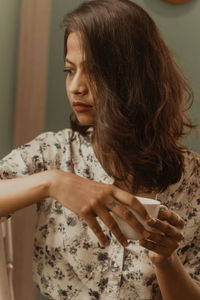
<point x="6" y="261"/>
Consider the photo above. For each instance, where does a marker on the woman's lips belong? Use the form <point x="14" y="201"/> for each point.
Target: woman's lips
<point x="81" y="107"/>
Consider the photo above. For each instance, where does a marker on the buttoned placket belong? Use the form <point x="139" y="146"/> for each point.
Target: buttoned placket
<point x="116" y="255"/>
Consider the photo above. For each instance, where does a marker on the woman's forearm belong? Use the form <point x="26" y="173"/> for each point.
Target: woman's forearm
<point x="175" y="283"/>
<point x="20" y="192"/>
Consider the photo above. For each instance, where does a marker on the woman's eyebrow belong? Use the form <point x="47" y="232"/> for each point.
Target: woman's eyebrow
<point x="71" y="63"/>
<point x="68" y="61"/>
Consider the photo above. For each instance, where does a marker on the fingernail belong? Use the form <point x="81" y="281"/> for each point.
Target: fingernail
<point x="106" y="243"/>
<point x="125" y="243"/>
<point x="151" y="221"/>
<point x="145" y="234"/>
<point x="142" y="241"/>
<point x="148" y="217"/>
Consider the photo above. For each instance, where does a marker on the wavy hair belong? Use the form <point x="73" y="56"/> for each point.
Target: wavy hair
<point x="141" y="95"/>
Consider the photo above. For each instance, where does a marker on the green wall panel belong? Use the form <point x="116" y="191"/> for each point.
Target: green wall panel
<point x="179" y="26"/>
<point x="9" y="27"/>
<point x="58" y="108"/>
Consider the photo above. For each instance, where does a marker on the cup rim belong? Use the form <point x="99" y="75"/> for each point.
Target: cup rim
<point x="144" y="200"/>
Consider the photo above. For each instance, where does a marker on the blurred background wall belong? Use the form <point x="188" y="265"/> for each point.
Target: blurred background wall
<point x="9" y="33"/>
<point x="179" y="25"/>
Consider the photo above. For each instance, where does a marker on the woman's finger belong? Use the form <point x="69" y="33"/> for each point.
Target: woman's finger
<point x="96" y="228"/>
<point x="112" y="225"/>
<point x="124" y="213"/>
<point x="163" y="240"/>
<point x="172" y="218"/>
<point x="150" y="245"/>
<point x="166" y="228"/>
<point x="130" y="200"/>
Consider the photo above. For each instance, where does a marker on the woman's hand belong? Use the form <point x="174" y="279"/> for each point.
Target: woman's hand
<point x="165" y="238"/>
<point x="89" y="199"/>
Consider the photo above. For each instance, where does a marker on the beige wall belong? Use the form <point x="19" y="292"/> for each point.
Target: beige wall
<point x="29" y="122"/>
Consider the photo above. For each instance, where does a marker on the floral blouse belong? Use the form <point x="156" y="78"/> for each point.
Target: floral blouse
<point x="68" y="260"/>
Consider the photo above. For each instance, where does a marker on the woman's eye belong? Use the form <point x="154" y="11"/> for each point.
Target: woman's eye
<point x="68" y="71"/>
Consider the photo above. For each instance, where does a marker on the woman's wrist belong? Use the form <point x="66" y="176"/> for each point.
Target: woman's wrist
<point x="167" y="262"/>
<point x="53" y="179"/>
<point x="44" y="180"/>
<point x="23" y="191"/>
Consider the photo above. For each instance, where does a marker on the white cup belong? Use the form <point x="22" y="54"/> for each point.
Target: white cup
<point x="152" y="206"/>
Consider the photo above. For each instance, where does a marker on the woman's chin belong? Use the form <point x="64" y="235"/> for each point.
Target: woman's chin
<point x="85" y="120"/>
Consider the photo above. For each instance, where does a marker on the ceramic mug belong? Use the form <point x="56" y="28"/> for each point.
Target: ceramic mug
<point x="152" y="206"/>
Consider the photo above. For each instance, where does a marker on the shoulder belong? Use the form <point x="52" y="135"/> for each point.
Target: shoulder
<point x="191" y="164"/>
<point x="49" y="150"/>
<point x="188" y="187"/>
<point x="60" y="145"/>
<point x="51" y="136"/>
<point x="50" y="140"/>
<point x="190" y="179"/>
<point x="64" y="136"/>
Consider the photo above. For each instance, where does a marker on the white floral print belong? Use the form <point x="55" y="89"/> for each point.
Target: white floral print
<point x="68" y="260"/>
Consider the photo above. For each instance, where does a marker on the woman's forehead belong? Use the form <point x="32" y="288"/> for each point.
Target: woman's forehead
<point x="74" y="48"/>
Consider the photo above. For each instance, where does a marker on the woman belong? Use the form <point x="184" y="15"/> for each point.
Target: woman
<point x="129" y="101"/>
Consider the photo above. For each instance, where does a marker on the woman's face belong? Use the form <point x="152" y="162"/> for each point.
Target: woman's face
<point x="78" y="90"/>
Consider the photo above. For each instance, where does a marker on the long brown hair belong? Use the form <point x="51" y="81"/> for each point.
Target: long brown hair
<point x="141" y="95"/>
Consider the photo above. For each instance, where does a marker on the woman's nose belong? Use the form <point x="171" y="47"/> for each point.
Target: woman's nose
<point x="78" y="84"/>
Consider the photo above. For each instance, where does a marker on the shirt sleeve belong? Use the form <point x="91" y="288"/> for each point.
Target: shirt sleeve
<point x="22" y="161"/>
<point x="42" y="153"/>
<point x="191" y="254"/>
<point x="190" y="250"/>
